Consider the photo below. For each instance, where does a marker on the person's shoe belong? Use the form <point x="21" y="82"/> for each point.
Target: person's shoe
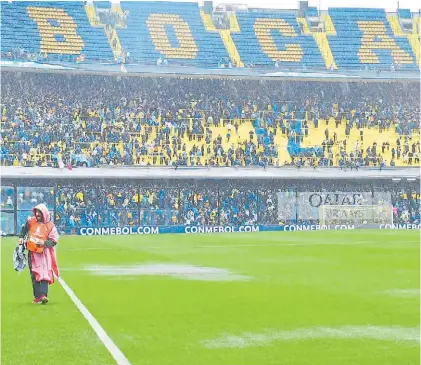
<point x="44" y="299"/>
<point x="36" y="300"/>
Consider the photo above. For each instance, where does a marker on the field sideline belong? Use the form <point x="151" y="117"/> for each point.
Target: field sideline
<point x="284" y="298"/>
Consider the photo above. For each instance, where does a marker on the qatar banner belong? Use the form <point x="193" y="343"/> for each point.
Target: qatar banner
<point x="305" y="205"/>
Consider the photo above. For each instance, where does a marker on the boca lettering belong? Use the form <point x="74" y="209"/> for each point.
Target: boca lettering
<point x="157" y="25"/>
<point x="265" y="30"/>
<point x="375" y="38"/>
<point x="57" y="31"/>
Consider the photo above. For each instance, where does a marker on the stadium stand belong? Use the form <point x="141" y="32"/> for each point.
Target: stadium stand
<point x="365" y="37"/>
<point x="181" y="33"/>
<point x="52" y="119"/>
<point x="171" y="30"/>
<point x="157" y="202"/>
<point x="311" y="12"/>
<point x="404" y="14"/>
<point x="57" y="31"/>
<point x="93" y="120"/>
<point x="267" y="37"/>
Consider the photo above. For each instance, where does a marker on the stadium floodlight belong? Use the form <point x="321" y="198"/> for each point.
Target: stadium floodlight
<point x="396" y="179"/>
<point x="411" y="179"/>
<point x="357" y="215"/>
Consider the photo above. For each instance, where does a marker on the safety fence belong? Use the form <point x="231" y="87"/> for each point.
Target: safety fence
<point x="81" y="208"/>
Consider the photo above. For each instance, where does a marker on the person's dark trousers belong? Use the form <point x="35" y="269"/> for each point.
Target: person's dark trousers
<point x="39" y="287"/>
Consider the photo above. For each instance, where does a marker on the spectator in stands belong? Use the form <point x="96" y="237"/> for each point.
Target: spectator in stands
<point x="206" y="203"/>
<point x="142" y="120"/>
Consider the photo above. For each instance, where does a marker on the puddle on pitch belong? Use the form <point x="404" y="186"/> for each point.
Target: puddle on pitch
<point x="179" y="271"/>
<point x="380" y="333"/>
<point x="403" y="293"/>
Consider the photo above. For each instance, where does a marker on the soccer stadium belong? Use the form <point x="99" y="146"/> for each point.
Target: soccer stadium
<point x="210" y="183"/>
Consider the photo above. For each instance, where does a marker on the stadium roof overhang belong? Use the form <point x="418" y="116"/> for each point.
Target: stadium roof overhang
<point x="118" y="70"/>
<point x="144" y="172"/>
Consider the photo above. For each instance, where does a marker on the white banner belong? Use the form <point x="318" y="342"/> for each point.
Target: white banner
<point x="306" y="204"/>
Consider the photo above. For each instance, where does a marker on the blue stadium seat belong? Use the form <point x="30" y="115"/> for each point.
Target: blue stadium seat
<point x="52" y="28"/>
<point x="174" y="31"/>
<point x="265" y="37"/>
<point x="62" y="32"/>
<point x="365" y="38"/>
<point x="312" y="12"/>
<point x="404" y="13"/>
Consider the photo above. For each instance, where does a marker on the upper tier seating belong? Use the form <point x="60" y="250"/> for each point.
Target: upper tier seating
<point x="174" y="31"/>
<point x="59" y="30"/>
<point x="364" y="37"/>
<point x="180" y="33"/>
<point x="266" y="37"/>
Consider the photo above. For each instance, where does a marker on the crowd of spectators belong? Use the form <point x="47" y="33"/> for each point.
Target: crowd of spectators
<point x="89" y="206"/>
<point x="406" y="205"/>
<point x="81" y="120"/>
<point x="21" y="54"/>
<point x="7" y="198"/>
<point x="28" y="198"/>
<point x="23" y="200"/>
<point x="227" y="202"/>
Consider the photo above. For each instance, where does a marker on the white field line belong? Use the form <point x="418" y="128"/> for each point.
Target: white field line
<point x="100" y="332"/>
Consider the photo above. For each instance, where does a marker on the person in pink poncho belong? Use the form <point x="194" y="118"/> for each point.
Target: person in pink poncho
<point x="40" y="236"/>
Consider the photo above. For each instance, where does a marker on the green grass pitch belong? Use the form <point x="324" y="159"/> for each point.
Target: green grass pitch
<point x="284" y="298"/>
